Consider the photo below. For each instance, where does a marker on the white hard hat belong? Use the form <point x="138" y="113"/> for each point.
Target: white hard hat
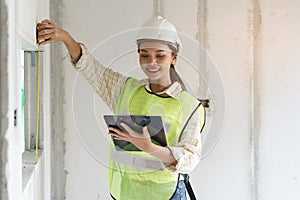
<point x="160" y="29"/>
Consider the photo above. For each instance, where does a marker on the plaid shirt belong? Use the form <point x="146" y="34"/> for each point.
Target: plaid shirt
<point x="109" y="84"/>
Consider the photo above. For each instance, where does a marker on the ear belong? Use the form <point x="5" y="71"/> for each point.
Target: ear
<point x="174" y="59"/>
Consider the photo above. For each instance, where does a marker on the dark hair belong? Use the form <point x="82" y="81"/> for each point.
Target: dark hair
<point x="175" y="77"/>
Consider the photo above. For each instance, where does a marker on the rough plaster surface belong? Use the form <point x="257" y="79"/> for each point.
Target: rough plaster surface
<point x="157" y="8"/>
<point x="251" y="159"/>
<point x="58" y="175"/>
<point x="255" y="24"/>
<point x="211" y="170"/>
<point x="241" y="165"/>
<point x="278" y="59"/>
<point x="13" y="162"/>
<point x="224" y="174"/>
<point x="202" y="37"/>
<point x="3" y="98"/>
<point x="87" y="178"/>
<point x="202" y="14"/>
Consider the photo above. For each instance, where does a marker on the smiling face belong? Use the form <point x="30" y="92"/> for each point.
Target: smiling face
<point x="155" y="60"/>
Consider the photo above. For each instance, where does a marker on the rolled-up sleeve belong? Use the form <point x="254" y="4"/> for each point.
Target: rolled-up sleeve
<point x="188" y="151"/>
<point x="107" y="83"/>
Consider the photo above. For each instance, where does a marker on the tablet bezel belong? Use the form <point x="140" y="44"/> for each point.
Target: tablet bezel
<point x="155" y="128"/>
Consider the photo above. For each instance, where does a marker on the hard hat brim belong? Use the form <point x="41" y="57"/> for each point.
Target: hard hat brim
<point x="174" y="47"/>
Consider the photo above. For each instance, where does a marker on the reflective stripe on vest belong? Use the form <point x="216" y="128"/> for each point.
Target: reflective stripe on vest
<point x="138" y="175"/>
<point x="137" y="161"/>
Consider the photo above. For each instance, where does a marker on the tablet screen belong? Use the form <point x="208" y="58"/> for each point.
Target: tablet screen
<point x="137" y="122"/>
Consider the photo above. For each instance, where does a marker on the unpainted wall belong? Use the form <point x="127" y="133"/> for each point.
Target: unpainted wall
<point x="18" y="29"/>
<point x="277" y="86"/>
<point x="3" y="98"/>
<point x="222" y="28"/>
<point x="254" y="47"/>
<point x="11" y="156"/>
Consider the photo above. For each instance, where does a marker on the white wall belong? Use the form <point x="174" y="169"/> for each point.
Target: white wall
<point x="85" y="144"/>
<point x="20" y="23"/>
<point x="225" y="173"/>
<point x="13" y="163"/>
<point x="278" y="80"/>
<point x="29" y="13"/>
<point x="253" y="45"/>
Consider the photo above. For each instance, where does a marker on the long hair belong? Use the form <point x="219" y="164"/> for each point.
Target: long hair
<point x="175" y="77"/>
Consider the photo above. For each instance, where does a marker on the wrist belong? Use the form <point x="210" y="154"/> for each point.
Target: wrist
<point x="72" y="46"/>
<point x="151" y="148"/>
<point x="67" y="39"/>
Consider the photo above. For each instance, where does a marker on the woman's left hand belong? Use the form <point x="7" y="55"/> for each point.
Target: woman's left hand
<point x="140" y="140"/>
<point x="143" y="142"/>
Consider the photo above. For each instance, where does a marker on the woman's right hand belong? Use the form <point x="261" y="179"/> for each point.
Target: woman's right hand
<point x="49" y="32"/>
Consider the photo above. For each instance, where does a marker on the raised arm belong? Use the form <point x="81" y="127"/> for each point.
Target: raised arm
<point x="107" y="83"/>
<point x="49" y="32"/>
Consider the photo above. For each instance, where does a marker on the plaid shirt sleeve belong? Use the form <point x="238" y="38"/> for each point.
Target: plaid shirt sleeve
<point x="188" y="151"/>
<point x="107" y="83"/>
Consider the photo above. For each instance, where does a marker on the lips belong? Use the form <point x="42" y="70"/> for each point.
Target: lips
<point x="153" y="70"/>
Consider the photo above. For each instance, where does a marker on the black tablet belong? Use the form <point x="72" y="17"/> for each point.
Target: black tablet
<point x="137" y="122"/>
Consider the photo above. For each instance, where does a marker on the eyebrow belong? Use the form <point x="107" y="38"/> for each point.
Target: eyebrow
<point x="159" y="50"/>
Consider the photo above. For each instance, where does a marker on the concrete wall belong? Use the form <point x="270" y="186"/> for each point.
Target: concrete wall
<point x="278" y="59"/>
<point x="18" y="21"/>
<point x="253" y="45"/>
<point x="12" y="163"/>
<point x="85" y="139"/>
<point x="3" y="98"/>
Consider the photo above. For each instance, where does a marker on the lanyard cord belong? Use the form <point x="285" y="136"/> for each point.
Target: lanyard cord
<point x="38" y="106"/>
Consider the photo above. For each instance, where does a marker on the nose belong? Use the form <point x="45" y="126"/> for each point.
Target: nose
<point x="152" y="60"/>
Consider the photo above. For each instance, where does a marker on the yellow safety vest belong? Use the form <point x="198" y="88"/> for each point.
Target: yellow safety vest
<point x="136" y="175"/>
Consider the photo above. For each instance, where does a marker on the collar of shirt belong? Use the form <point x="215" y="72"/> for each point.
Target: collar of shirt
<point x="173" y="90"/>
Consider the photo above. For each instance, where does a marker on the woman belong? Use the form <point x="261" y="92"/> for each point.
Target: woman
<point x="162" y="93"/>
